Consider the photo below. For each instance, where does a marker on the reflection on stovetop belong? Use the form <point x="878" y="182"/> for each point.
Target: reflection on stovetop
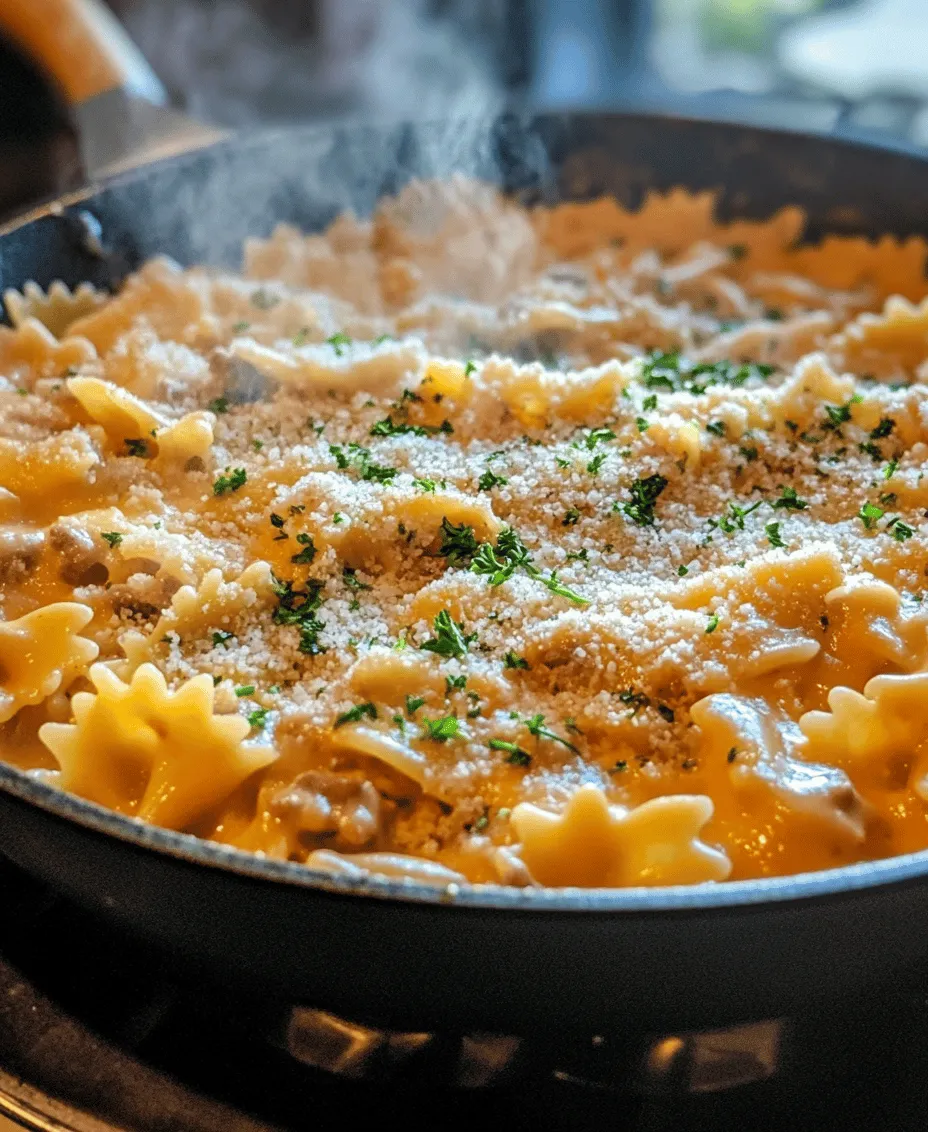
<point x="96" y="1028"/>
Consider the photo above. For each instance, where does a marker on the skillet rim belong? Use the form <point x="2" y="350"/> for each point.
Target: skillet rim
<point x="818" y="886"/>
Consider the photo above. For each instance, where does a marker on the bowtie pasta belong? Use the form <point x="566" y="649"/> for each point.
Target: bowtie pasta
<point x="571" y="547"/>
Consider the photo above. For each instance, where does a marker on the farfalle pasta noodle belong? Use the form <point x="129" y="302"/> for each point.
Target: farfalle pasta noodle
<point x="56" y="309"/>
<point x="130" y="747"/>
<point x="580" y="546"/>
<point x="41" y="652"/>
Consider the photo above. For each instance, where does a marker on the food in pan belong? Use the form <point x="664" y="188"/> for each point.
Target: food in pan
<point x="571" y="546"/>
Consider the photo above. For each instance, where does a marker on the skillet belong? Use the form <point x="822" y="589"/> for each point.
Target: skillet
<point x="487" y="958"/>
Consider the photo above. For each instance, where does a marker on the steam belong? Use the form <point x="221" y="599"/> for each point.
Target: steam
<point x="222" y="62"/>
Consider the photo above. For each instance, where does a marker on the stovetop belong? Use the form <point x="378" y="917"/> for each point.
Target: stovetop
<point x="98" y="1032"/>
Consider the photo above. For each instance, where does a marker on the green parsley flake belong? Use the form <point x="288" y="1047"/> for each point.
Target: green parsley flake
<point x="440" y="730"/>
<point x="413" y="703"/>
<point x="870" y="515"/>
<point x="307" y="554"/>
<point x="114" y="538"/>
<point x="258" y="717"/>
<point x="338" y="342"/>
<point x="899" y="530"/>
<point x="220" y="405"/>
<point x="517" y="756"/>
<point x="513" y="660"/>
<point x="713" y="623"/>
<point x="644" y="494"/>
<point x="356" y="714"/>
<point x="221" y="637"/>
<point x="489" y="480"/>
<point x="773" y="535"/>
<point x="449" y="640"/>
<point x="459" y="544"/>
<point x="789" y="501"/>
<point x="536" y="727"/>
<point x="236" y="479"/>
<point x="136" y="447"/>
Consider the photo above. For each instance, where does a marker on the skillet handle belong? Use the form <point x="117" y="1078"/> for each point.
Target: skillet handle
<point x="82" y="45"/>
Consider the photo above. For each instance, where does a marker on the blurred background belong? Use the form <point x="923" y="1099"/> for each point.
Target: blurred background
<point x="850" y="66"/>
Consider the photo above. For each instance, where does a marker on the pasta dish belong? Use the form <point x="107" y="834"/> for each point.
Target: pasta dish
<point x="569" y="546"/>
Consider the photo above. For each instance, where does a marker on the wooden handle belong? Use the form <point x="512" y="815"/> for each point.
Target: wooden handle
<point x="81" y="45"/>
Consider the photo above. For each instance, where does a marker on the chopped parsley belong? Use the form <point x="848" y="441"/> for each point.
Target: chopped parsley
<point x="571" y="517"/>
<point x="558" y="588"/>
<point x="221" y="637"/>
<point x="299" y="608"/>
<point x="440" y="730"/>
<point x="114" y="538"/>
<point x="245" y="690"/>
<point x="413" y="703"/>
<point x="425" y="485"/>
<point x="634" y="700"/>
<point x="642" y="424"/>
<point x="673" y="372"/>
<point x="598" y="436"/>
<point x="338" y="342"/>
<point x="307" y="554"/>
<point x="890" y="470"/>
<point x="536" y="727"/>
<point x="356" y="714"/>
<point x="235" y="479"/>
<point x="136" y="447"/>
<point x="899" y="530"/>
<point x="389" y="427"/>
<point x="750" y="453"/>
<point x="513" y="660"/>
<point x="459" y="544"/>
<point x="717" y="428"/>
<point x="644" y="494"/>
<point x="682" y="571"/>
<point x="789" y="501"/>
<point x="489" y="480"/>
<point x="596" y="463"/>
<point x="870" y="515"/>
<point x="734" y="519"/>
<point x="455" y="684"/>
<point x="258" y="717"/>
<point x="713" y="623"/>
<point x="517" y="756"/>
<point x="649" y="404"/>
<point x="220" y="405"/>
<point x="883" y="429"/>
<point x="450" y="639"/>
<point x="773" y="535"/>
<point x="352" y="581"/>
<point x="358" y="457"/>
<point x="470" y="368"/>
<point x="837" y="415"/>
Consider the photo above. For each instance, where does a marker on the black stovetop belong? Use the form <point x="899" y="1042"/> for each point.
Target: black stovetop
<point x="95" y="1027"/>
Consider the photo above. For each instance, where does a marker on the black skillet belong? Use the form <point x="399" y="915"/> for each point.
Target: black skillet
<point x="510" y="960"/>
<point x="504" y="959"/>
